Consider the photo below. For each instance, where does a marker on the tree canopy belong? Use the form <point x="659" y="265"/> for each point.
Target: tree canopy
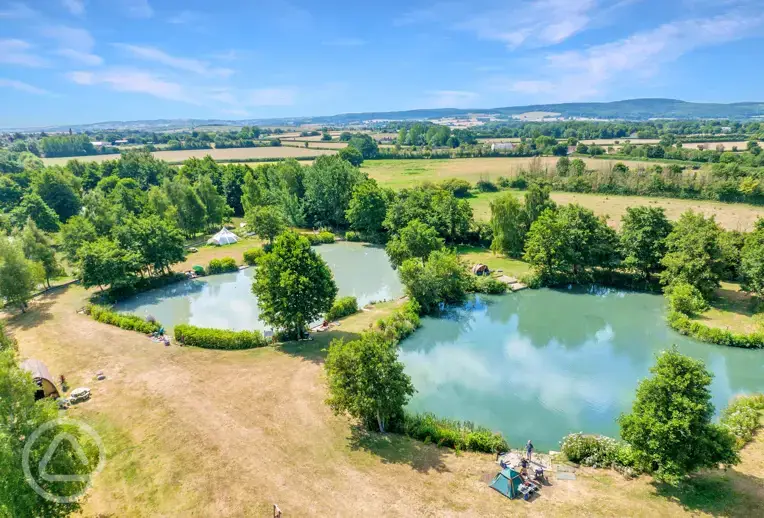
<point x="643" y="238"/>
<point x="416" y="240"/>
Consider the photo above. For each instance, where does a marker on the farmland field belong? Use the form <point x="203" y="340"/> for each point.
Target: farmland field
<point x="315" y="144"/>
<point x="240" y="153"/>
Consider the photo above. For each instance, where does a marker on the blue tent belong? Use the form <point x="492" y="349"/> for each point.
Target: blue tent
<point x="507" y="482"/>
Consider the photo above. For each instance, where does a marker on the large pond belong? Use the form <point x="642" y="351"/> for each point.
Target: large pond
<point x="540" y="364"/>
<point x="226" y="301"/>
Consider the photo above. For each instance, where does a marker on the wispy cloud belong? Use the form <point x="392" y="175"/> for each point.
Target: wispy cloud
<point x="534" y="23"/>
<point x="22" y="87"/>
<point x="135" y="81"/>
<point x="345" y="42"/>
<point x="451" y="98"/>
<point x="70" y="37"/>
<point x="18" y="52"/>
<point x="582" y="74"/>
<point x="76" y="7"/>
<point x="185" y="17"/>
<point x="135" y="8"/>
<point x="186" y="64"/>
<point x="248" y="98"/>
<point x="17" y="10"/>
<point x="84" y="58"/>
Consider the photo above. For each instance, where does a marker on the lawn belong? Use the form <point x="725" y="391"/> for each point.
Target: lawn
<point x="509" y="266"/>
<point x="735" y="310"/>
<point x="191" y="432"/>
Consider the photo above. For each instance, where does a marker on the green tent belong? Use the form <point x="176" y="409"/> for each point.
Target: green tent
<point x="507" y="483"/>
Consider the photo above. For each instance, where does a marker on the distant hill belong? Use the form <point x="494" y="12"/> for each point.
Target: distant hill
<point x="630" y="109"/>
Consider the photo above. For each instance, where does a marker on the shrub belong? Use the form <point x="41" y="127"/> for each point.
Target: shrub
<point x="226" y="264"/>
<point x="592" y="450"/>
<point x="686" y="298"/>
<point x="503" y="182"/>
<point x="682" y="324"/>
<point x="342" y="307"/>
<point x="323" y="237"/>
<point x="458" y="187"/>
<point x="403" y="322"/>
<point x="518" y="182"/>
<point x="209" y="338"/>
<point x="460" y="435"/>
<point x="743" y="417"/>
<point x="251" y="255"/>
<point x="489" y="285"/>
<point x="352" y="235"/>
<point x="484" y="185"/>
<point x="129" y="322"/>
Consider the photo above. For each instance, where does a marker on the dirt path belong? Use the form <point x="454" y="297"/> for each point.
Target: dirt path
<point x="193" y="432"/>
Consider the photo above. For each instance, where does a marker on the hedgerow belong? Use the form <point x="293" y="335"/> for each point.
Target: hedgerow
<point x="226" y="264"/>
<point x="401" y="323"/>
<point x="322" y="237"/>
<point x="684" y="325"/>
<point x="342" y="307"/>
<point x="743" y="417"/>
<point x="489" y="285"/>
<point x="209" y="338"/>
<point x="459" y="435"/>
<point x="129" y="322"/>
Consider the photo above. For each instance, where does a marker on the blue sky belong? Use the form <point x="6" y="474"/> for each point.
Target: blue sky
<point x="78" y="61"/>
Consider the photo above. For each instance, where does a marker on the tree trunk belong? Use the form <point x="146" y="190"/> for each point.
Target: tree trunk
<point x="380" y="423"/>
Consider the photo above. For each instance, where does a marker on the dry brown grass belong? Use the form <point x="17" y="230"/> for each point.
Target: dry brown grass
<point x="192" y="432"/>
<point x="240" y="153"/>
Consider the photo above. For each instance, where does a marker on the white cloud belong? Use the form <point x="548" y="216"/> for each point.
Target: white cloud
<point x="70" y="37"/>
<point x="76" y="7"/>
<point x="17" y="10"/>
<point x="84" y="58"/>
<point x="451" y="98"/>
<point x="135" y="81"/>
<point x="136" y="8"/>
<point x="345" y="42"/>
<point x="17" y="52"/>
<point x="589" y="73"/>
<point x="185" y="17"/>
<point x="186" y="64"/>
<point x="22" y="87"/>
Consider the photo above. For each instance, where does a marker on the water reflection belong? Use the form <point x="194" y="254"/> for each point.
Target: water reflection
<point x="226" y="301"/>
<point x="541" y="363"/>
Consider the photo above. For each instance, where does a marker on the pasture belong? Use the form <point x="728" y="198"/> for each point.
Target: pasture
<point x="221" y="155"/>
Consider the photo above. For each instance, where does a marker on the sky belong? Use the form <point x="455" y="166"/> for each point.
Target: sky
<point x="81" y="61"/>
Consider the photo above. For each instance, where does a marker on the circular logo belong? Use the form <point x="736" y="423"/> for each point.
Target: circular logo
<point x="79" y="454"/>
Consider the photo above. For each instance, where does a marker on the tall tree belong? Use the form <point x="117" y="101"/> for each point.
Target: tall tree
<point x="157" y="243"/>
<point x="670" y="428"/>
<point x="215" y="209"/>
<point x="38" y="248"/>
<point x="56" y="188"/>
<point x="10" y="193"/>
<point x="105" y="263"/>
<point x="442" y="279"/>
<point x="367" y="380"/>
<point x="17" y="275"/>
<point x="293" y="284"/>
<point x="752" y="260"/>
<point x="643" y="238"/>
<point x="75" y="233"/>
<point x="189" y="208"/>
<point x="509" y="224"/>
<point x="252" y="192"/>
<point x="32" y="206"/>
<point x="367" y="208"/>
<point x="693" y="253"/>
<point x="329" y="185"/>
<point x="266" y="222"/>
<point x="537" y="200"/>
<point x="416" y="240"/>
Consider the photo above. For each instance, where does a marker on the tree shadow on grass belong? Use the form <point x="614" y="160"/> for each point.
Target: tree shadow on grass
<point x="315" y="350"/>
<point x="734" y="301"/>
<point x="37" y="313"/>
<point x="397" y="449"/>
<point x="718" y="493"/>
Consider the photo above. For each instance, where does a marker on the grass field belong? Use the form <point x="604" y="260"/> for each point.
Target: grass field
<point x="315" y="144"/>
<point x="241" y="153"/>
<point x="734" y="310"/>
<point x="191" y="432"/>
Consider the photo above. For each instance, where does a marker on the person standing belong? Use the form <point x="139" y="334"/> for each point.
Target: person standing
<point x="529" y="450"/>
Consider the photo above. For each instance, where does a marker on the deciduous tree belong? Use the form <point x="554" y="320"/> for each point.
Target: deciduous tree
<point x="17" y="275"/>
<point x="105" y="263"/>
<point x="643" y="238"/>
<point x="266" y="222"/>
<point x="509" y="222"/>
<point x="38" y="248"/>
<point x="416" y="240"/>
<point x="368" y="207"/>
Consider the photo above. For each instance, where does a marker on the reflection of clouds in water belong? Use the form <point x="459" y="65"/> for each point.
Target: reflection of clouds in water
<point x="447" y="366"/>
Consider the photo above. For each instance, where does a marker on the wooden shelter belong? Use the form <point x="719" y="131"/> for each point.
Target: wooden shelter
<point x="42" y="377"/>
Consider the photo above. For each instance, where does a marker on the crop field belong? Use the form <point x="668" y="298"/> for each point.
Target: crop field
<point x="240" y="153"/>
<point x="404" y="173"/>
<point x="315" y="144"/>
<point x="732" y="216"/>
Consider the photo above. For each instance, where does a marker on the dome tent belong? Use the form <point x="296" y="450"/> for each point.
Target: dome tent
<point x="224" y="237"/>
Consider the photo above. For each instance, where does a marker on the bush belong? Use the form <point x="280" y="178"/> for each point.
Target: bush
<point x="600" y="452"/>
<point x="503" y="182"/>
<point x="352" y="235"/>
<point x="342" y="307"/>
<point x="489" y="285"/>
<point x="743" y="417"/>
<point x="460" y="435"/>
<point x="401" y="323"/>
<point x="458" y="187"/>
<point x="226" y="264"/>
<point x="322" y="237"/>
<point x="682" y="324"/>
<point x="129" y="322"/>
<point x="519" y="182"/>
<point x="209" y="338"/>
<point x="686" y="298"/>
<point x="251" y="256"/>
<point x="484" y="185"/>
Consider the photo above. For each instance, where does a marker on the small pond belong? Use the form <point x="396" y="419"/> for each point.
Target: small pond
<point x="226" y="301"/>
<point x="540" y="364"/>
